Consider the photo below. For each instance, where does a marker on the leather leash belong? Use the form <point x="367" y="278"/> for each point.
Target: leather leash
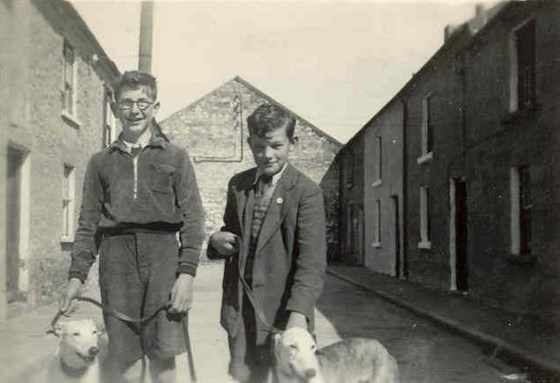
<point x="249" y="293"/>
<point x="126" y="318"/>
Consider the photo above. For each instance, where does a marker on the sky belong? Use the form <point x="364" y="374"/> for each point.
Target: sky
<point x="335" y="63"/>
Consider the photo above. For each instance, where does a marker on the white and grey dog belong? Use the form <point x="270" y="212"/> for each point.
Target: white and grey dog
<point x="77" y="358"/>
<point x="353" y="360"/>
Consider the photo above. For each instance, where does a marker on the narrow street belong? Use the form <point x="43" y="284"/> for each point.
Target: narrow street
<point x="425" y="352"/>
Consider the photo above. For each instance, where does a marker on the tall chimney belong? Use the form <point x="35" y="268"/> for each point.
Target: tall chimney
<point x="146" y="35"/>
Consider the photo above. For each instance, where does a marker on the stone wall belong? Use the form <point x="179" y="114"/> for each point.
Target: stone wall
<point x="214" y="131"/>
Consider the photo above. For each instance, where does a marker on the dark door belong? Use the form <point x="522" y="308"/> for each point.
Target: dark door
<point x="397" y="233"/>
<point x="462" y="265"/>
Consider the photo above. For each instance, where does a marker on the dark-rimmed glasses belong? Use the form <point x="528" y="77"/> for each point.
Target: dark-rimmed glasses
<point x="127" y="105"/>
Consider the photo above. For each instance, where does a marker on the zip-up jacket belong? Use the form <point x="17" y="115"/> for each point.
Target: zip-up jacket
<point x="156" y="192"/>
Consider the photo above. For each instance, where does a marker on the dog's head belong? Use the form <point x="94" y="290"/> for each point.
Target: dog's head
<point x="294" y="352"/>
<point x="79" y="343"/>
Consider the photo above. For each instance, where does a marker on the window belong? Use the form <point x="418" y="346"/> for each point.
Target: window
<point x="378" y="162"/>
<point x="523" y="67"/>
<point x="68" y="203"/>
<point x="427" y="130"/>
<point x="424" y="219"/>
<point x="109" y="129"/>
<point x="69" y="77"/>
<point x="520" y="211"/>
<point x="377" y="224"/>
<point x="350" y="170"/>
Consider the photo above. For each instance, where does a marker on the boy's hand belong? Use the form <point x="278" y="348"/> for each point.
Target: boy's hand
<point x="224" y="242"/>
<point x="72" y="291"/>
<point x="296" y="320"/>
<point x="182" y="294"/>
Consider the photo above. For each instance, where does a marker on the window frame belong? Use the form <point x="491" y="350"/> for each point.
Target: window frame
<point x="424" y="208"/>
<point x="521" y="210"/>
<point x="68" y="202"/>
<point x="426" y="130"/>
<point x="516" y="104"/>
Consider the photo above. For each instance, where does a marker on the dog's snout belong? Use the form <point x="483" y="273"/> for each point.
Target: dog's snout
<point x="310" y="373"/>
<point x="93" y="351"/>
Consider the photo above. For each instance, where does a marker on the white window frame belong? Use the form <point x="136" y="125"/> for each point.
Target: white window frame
<point x="378" y="168"/>
<point x="68" y="200"/>
<point x="425" y="242"/>
<point x="69" y="110"/>
<point x="109" y="120"/>
<point x="377" y="225"/>
<point x="350" y="169"/>
<point x="426" y="154"/>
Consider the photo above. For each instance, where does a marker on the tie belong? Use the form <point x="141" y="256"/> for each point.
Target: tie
<point x="265" y="182"/>
<point x="135" y="150"/>
<point x="262" y="200"/>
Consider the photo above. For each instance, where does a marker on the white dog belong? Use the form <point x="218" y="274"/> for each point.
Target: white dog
<point x="77" y="358"/>
<point x="354" y="360"/>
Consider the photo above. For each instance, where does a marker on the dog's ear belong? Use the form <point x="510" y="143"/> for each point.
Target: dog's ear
<point x="277" y="338"/>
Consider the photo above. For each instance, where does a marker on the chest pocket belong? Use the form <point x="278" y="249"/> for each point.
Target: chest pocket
<point x="161" y="179"/>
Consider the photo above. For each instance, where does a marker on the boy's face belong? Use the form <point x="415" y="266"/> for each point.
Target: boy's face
<point x="271" y="151"/>
<point x="135" y="108"/>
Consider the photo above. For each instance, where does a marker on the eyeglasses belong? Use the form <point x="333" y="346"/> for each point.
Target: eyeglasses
<point x="127" y="105"/>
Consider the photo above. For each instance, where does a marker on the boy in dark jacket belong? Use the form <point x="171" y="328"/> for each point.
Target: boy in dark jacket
<point x="274" y="234"/>
<point x="138" y="193"/>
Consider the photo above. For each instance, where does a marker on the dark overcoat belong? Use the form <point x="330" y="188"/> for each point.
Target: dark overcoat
<point x="290" y="256"/>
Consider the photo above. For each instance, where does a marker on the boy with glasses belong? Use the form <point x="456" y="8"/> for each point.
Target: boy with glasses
<point x="138" y="193"/>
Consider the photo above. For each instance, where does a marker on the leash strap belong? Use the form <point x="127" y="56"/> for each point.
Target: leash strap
<point x="111" y="311"/>
<point x="249" y="293"/>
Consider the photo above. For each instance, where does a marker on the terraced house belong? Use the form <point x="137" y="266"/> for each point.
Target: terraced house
<point x="454" y="183"/>
<point x="55" y="86"/>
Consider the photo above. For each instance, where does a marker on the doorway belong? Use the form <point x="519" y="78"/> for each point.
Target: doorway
<point x="17" y="205"/>
<point x="397" y="235"/>
<point x="458" y="235"/>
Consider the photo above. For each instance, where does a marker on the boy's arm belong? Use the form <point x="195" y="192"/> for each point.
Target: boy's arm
<point x="190" y="205"/>
<point x="311" y="262"/>
<point x="229" y="219"/>
<point x="85" y="248"/>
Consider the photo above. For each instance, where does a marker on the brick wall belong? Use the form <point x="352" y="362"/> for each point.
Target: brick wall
<point x="214" y="131"/>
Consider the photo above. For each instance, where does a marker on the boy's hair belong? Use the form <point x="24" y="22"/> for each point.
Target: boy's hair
<point x="135" y="79"/>
<point x="269" y="117"/>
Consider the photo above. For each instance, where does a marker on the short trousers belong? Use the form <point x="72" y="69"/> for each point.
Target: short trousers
<point x="136" y="274"/>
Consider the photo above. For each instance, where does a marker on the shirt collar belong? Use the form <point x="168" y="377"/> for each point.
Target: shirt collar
<point x="275" y="178"/>
<point x="157" y="140"/>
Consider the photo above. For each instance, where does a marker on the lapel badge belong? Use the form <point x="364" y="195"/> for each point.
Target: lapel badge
<point x="279" y="200"/>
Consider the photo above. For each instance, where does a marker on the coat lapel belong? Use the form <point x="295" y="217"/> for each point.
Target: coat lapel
<point x="278" y="207"/>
